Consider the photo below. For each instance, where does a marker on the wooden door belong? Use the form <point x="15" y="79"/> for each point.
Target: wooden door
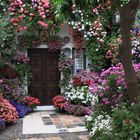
<point x="45" y="75"/>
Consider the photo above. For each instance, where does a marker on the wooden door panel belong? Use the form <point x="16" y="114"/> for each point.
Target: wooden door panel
<point x="52" y="78"/>
<point x="46" y="76"/>
<point x="37" y="77"/>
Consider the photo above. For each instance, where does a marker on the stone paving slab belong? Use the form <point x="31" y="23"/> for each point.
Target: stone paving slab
<point x="50" y="122"/>
<point x="81" y="137"/>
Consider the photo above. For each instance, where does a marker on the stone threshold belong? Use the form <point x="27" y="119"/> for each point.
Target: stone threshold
<point x="44" y="108"/>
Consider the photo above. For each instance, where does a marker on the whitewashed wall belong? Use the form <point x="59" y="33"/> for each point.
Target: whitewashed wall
<point x="63" y="33"/>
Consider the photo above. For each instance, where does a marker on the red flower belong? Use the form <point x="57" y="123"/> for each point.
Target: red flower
<point x="59" y="102"/>
<point x="31" y="101"/>
<point x="77" y="81"/>
<point x="88" y="82"/>
<point x="109" y="3"/>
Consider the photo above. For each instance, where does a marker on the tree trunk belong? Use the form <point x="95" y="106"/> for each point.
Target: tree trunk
<point x="126" y="55"/>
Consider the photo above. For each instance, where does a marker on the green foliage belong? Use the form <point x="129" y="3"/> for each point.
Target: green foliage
<point x="125" y="124"/>
<point x="6" y="40"/>
<point x="137" y="21"/>
<point x="97" y="55"/>
<point x="64" y="82"/>
<point x="23" y="71"/>
<point x="126" y="117"/>
<point x="96" y="127"/>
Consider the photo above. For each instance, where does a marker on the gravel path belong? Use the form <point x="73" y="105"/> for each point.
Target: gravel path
<point x="12" y="132"/>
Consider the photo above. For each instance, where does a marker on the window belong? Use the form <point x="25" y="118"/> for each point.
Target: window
<point x="79" y="58"/>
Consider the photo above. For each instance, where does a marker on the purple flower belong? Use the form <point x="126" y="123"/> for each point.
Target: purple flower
<point x="22" y="109"/>
<point x="77" y="110"/>
<point x="2" y="124"/>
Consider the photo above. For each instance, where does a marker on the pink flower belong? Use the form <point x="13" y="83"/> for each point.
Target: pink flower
<point x="107" y="88"/>
<point x="43" y="24"/>
<point x="109" y="54"/>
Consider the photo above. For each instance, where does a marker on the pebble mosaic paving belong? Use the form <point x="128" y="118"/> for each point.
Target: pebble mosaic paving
<point x="50" y="122"/>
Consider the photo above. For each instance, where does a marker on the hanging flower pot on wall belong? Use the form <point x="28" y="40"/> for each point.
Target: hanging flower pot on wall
<point x="67" y="52"/>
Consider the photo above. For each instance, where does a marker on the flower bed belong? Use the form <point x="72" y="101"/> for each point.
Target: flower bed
<point x="77" y="99"/>
<point x="77" y="110"/>
<point x="113" y="109"/>
<point x="7" y="111"/>
<point x="62" y="105"/>
<point x="13" y="103"/>
<point x="21" y="108"/>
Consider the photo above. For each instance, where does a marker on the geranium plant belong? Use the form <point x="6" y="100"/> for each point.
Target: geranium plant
<point x="59" y="102"/>
<point x="31" y="102"/>
<point x="7" y="111"/>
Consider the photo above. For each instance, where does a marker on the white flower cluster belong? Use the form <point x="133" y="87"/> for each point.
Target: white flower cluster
<point x="80" y="94"/>
<point x="88" y="28"/>
<point x="100" y="123"/>
<point x="2" y="5"/>
<point x="124" y="2"/>
<point x="136" y="46"/>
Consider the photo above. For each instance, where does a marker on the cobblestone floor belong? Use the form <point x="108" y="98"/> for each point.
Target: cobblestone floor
<point x="54" y="126"/>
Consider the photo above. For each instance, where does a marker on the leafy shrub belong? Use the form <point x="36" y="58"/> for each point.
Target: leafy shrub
<point x="122" y="124"/>
<point x="96" y="53"/>
<point x="99" y="126"/>
<point x="126" y="122"/>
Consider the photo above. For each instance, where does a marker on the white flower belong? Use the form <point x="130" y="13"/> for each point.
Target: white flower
<point x="81" y="97"/>
<point x="84" y="102"/>
<point x="88" y="118"/>
<point x="100" y="117"/>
